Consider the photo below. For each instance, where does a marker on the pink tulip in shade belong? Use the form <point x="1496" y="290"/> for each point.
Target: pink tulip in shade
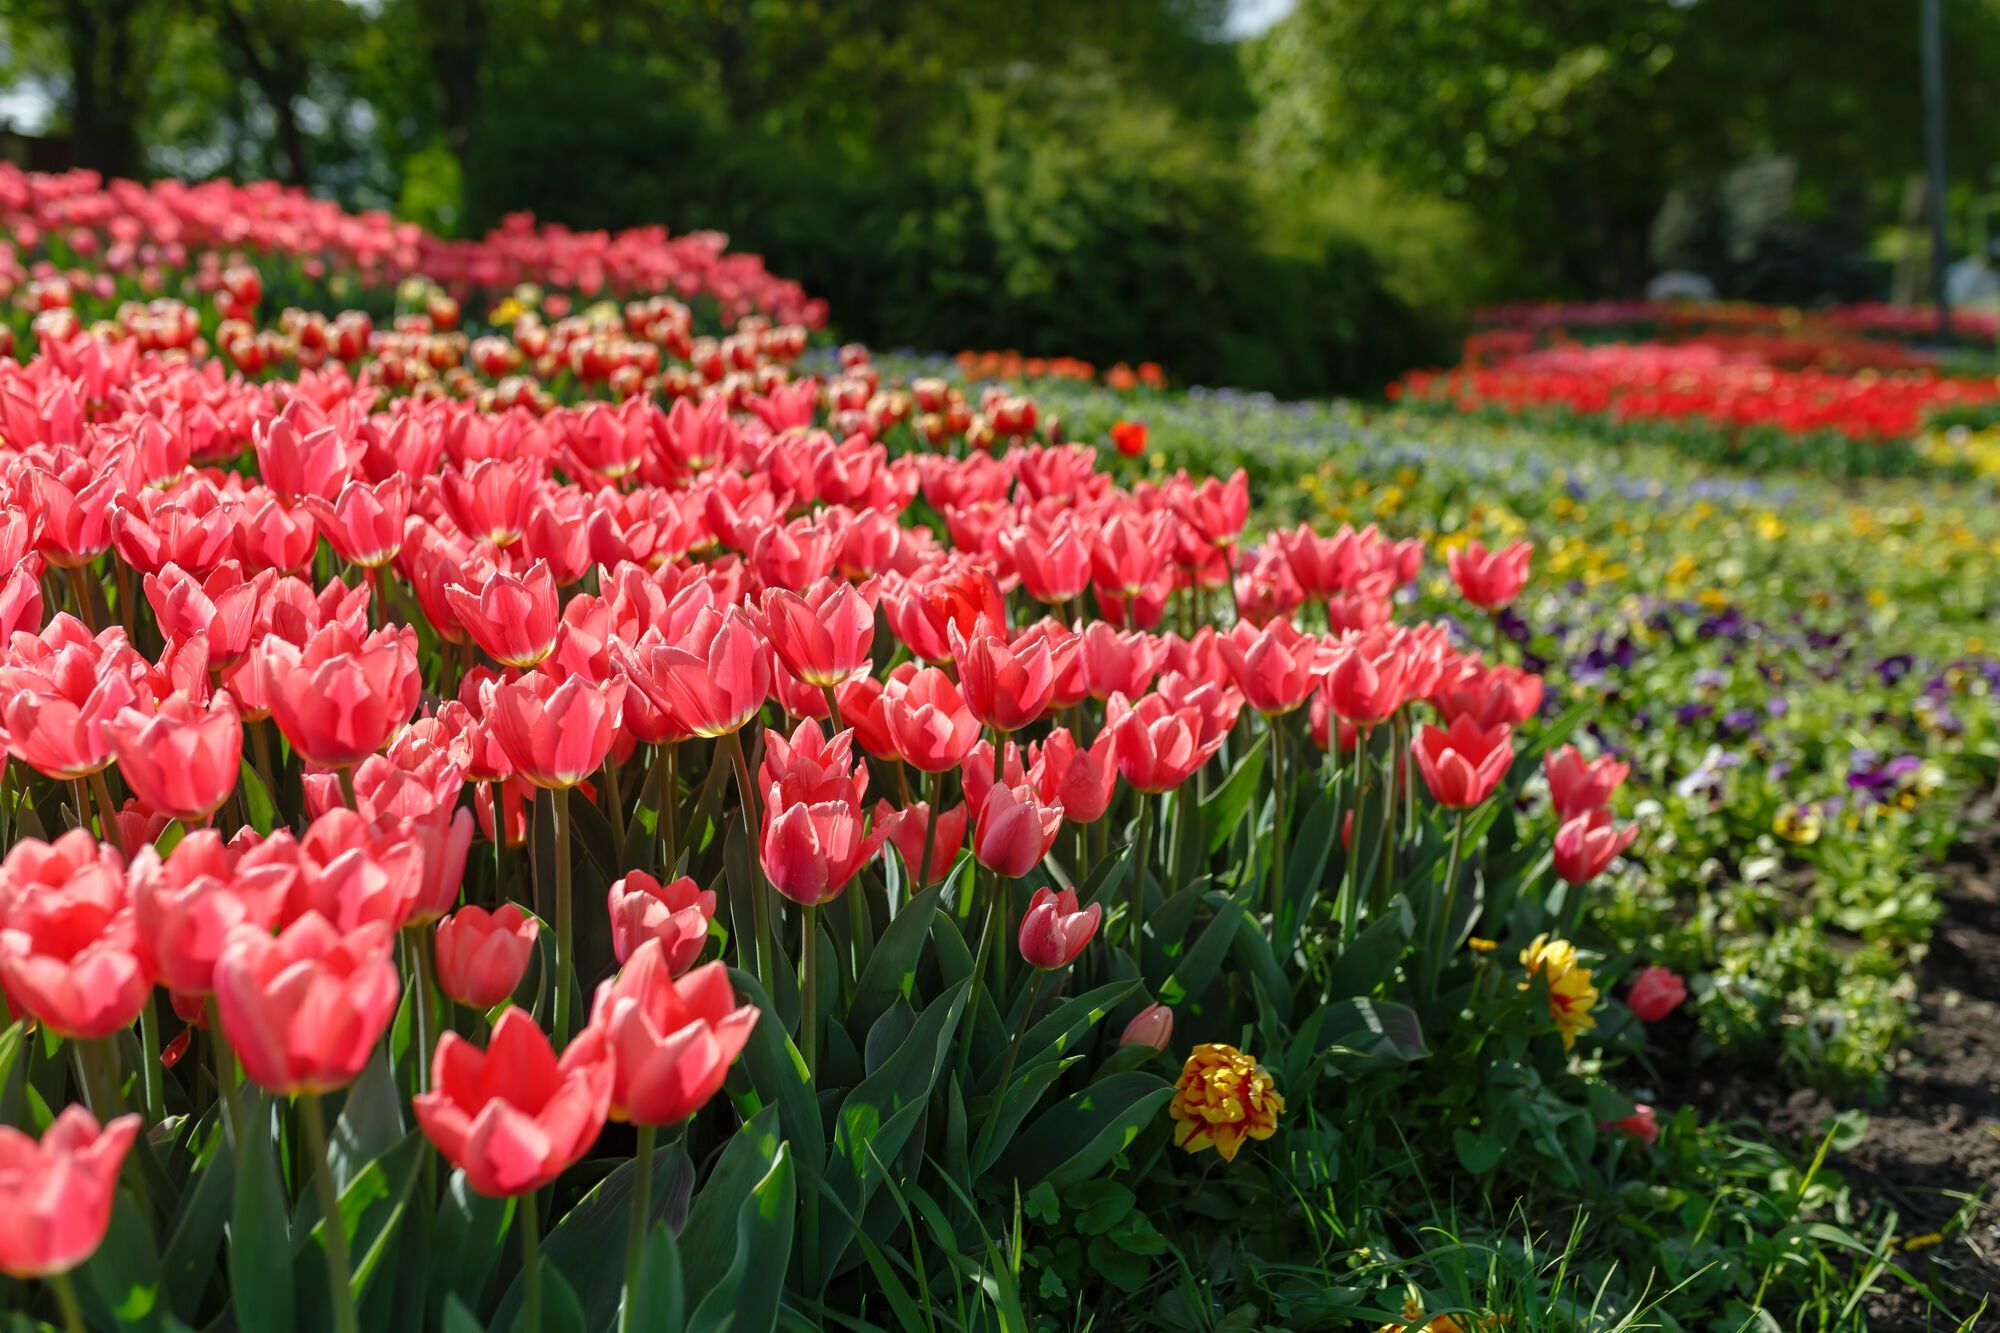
<point x="304" y="1008"/>
<point x="482" y="955"/>
<point x="1152" y="1026"/>
<point x="1656" y="992"/>
<point x="1642" y="1126"/>
<point x="1082" y="780"/>
<point x="56" y="1195"/>
<point x="1055" y="929"/>
<point x="513" y="1117"/>
<point x="908" y="827"/>
<point x="1490" y="580"/>
<point x="676" y="914"/>
<point x="673" y="1039"/>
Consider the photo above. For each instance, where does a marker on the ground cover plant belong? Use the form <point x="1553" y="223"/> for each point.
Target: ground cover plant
<point x="542" y="797"/>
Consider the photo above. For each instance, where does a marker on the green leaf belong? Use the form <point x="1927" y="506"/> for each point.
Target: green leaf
<point x="196" y="1238"/>
<point x="122" y="1279"/>
<point x="746" y="1299"/>
<point x="371" y="1209"/>
<point x="561" y="1312"/>
<point x="1073" y="1139"/>
<point x="257" y="803"/>
<point x="1198" y="968"/>
<point x="778" y="1073"/>
<point x="1100" y="1204"/>
<point x="470" y="1237"/>
<point x="458" y="1319"/>
<point x="1478" y="1154"/>
<point x="659" y="1304"/>
<point x="1059" y="1033"/>
<point x="1363" y="1034"/>
<point x="370" y="1121"/>
<point x="892" y="969"/>
<point x="1012" y="1105"/>
<point x="260" y="1229"/>
<point x="1223" y="809"/>
<point x="708" y="1240"/>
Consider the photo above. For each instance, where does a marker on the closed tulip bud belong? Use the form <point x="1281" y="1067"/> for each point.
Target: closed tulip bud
<point x="56" y="1195"/>
<point x="1490" y="580"/>
<point x="513" y="1117"/>
<point x="482" y="955"/>
<point x="673" y="1038"/>
<point x="1152" y="1026"/>
<point x="810" y="851"/>
<point x="303" y="1009"/>
<point x="183" y="759"/>
<point x="513" y="618"/>
<point x="676" y="914"/>
<point x="1655" y="993"/>
<point x="1014" y="830"/>
<point x="1642" y="1126"/>
<point x="1584" y="846"/>
<point x="555" y="734"/>
<point x="1464" y="765"/>
<point x="1055" y="929"/>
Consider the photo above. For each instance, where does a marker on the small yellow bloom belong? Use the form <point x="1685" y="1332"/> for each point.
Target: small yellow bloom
<point x="1223" y="1097"/>
<point x="1923" y="1242"/>
<point x="1798" y="823"/>
<point x="1571" y="996"/>
<point x="1478" y="945"/>
<point x="1414" y="1321"/>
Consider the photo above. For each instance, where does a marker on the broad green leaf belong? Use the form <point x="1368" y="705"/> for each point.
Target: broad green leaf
<point x="257" y="803"/>
<point x="1223" y="809"/>
<point x="892" y="968"/>
<point x="708" y="1240"/>
<point x="1198" y="967"/>
<point x="122" y="1279"/>
<point x="371" y="1210"/>
<point x="370" y="1121"/>
<point x="1059" y="1033"/>
<point x="660" y="1303"/>
<point x="260" y="1229"/>
<point x="470" y="1236"/>
<point x="196" y="1238"/>
<point x="1011" y="1106"/>
<point x="1074" y="1139"/>
<point x="746" y="1299"/>
<point x="778" y="1073"/>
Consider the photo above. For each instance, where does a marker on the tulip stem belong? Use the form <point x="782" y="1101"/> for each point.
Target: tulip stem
<point x="1449" y="903"/>
<point x="987" y="935"/>
<point x="1020" y="1030"/>
<point x="1350" y="886"/>
<point x="347" y="789"/>
<point x="642" y="1225"/>
<point x="833" y="708"/>
<point x="72" y="1313"/>
<point x="1277" y="820"/>
<point x="614" y="805"/>
<point x="809" y="983"/>
<point x="565" y="932"/>
<point x="923" y="869"/>
<point x="766" y="967"/>
<point x="1133" y="935"/>
<point x="427" y="1002"/>
<point x="260" y="749"/>
<point x="225" y="1071"/>
<point x="338" y="1279"/>
<point x="531" y="1264"/>
<point x="151" y="1089"/>
<point x="669" y="807"/>
<point x="107" y="814"/>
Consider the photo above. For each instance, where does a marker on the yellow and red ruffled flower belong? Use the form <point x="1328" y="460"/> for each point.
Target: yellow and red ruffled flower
<point x="1571" y="994"/>
<point x="1223" y="1098"/>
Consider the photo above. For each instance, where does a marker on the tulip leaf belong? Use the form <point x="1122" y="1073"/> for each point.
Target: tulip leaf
<point x="746" y="1298"/>
<point x="371" y="1211"/>
<point x="660" y="1303"/>
<point x="1198" y="968"/>
<point x="778" y="1073"/>
<point x="405" y="1271"/>
<point x="458" y="1319"/>
<point x="1372" y="958"/>
<point x="561" y="1311"/>
<point x="887" y="1034"/>
<point x="257" y="803"/>
<point x="1252" y="949"/>
<point x="1011" y="1106"/>
<point x="121" y="1281"/>
<point x="370" y="1121"/>
<point x="1057" y="1034"/>
<point x="1072" y="1141"/>
<point x="892" y="968"/>
<point x="588" y="1243"/>
<point x="708" y="1239"/>
<point x="1223" y="809"/>
<point x="1106" y="880"/>
<point x="469" y="1236"/>
<point x="260" y="1229"/>
<point x="196" y="1237"/>
<point x="1363" y="1034"/>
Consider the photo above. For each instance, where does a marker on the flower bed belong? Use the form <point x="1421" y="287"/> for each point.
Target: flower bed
<point x="1029" y="877"/>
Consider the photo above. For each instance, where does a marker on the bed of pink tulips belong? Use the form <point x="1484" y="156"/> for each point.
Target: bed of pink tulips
<point x="666" y="834"/>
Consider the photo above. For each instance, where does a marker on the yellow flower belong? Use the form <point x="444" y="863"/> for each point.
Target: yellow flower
<point x="1798" y="823"/>
<point x="1571" y="996"/>
<point x="1478" y="945"/>
<point x="1223" y="1097"/>
<point x="1414" y="1321"/>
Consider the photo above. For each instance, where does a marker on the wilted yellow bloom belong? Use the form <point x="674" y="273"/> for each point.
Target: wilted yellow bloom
<point x="1571" y="996"/>
<point x="1223" y="1097"/>
<point x="1413" y="1315"/>
<point x="1798" y="823"/>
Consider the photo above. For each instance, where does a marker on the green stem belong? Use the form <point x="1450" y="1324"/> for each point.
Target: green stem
<point x="614" y="805"/>
<point x="427" y="1002"/>
<point x="669" y="807"/>
<point x="1449" y="902"/>
<point x="347" y="788"/>
<point x="565" y="929"/>
<point x="72" y="1313"/>
<point x="766" y="964"/>
<point x="809" y="998"/>
<point x="833" y="708"/>
<point x="1020" y="1030"/>
<point x="225" y="1071"/>
<point x="531" y="1265"/>
<point x="338" y="1275"/>
<point x="1350" y="888"/>
<point x="1134" y="933"/>
<point x="260" y="748"/>
<point x="987" y="937"/>
<point x="642" y="1225"/>
<point x="921" y="875"/>
<point x="1277" y="821"/>
<point x="152" y="1089"/>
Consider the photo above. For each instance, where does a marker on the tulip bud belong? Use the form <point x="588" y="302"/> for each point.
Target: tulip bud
<point x="1655" y="993"/>
<point x="1055" y="929"/>
<point x="1152" y="1026"/>
<point x="482" y="955"/>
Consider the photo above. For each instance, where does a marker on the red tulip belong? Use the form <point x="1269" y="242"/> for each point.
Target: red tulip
<point x="1272" y="665"/>
<point x="296" y="460"/>
<point x="1641" y="1126"/>
<point x="1052" y="558"/>
<point x="1115" y="663"/>
<point x="69" y="943"/>
<point x="809" y="852"/>
<point x="303" y="1009"/>
<point x="928" y="722"/>
<point x="1152" y="1026"/>
<point x="923" y="613"/>
<point x="182" y="760"/>
<point x="513" y="619"/>
<point x="513" y="1117"/>
<point x="1490" y="695"/>
<point x="1578" y="786"/>
<point x="1656" y="992"/>
<point x="823" y="638"/>
<point x="676" y="914"/>
<point x="1130" y="437"/>
<point x="907" y="829"/>
<point x="223" y="607"/>
<point x="1055" y="929"/>
<point x="1157" y="746"/>
<point x="482" y="955"/>
<point x="188" y="903"/>
<point x="673" y="1039"/>
<point x="1082" y="780"/>
<point x="364" y="523"/>
<point x="805" y="768"/>
<point x="1490" y="580"/>
<point x="1464" y="765"/>
<point x="711" y="680"/>
<point x="56" y="1195"/>
<point x="1007" y="684"/>
<point x="862" y="708"/>
<point x="555" y="734"/>
<point x="340" y="697"/>
<point x="1585" y="845"/>
<point x="1014" y="830"/>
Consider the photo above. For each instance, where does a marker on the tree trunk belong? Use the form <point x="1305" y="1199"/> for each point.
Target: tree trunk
<point x="103" y="112"/>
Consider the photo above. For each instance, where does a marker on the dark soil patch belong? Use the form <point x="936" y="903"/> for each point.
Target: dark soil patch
<point x="1932" y="1150"/>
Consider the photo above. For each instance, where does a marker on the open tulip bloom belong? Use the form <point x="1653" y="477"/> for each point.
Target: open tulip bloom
<point x="351" y="669"/>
